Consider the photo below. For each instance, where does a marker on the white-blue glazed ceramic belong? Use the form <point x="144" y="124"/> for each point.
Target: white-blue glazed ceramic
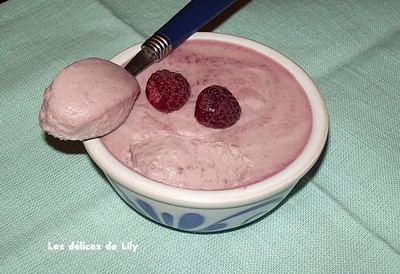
<point x="217" y="210"/>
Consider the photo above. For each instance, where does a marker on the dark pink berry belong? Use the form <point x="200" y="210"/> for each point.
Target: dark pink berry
<point x="167" y="91"/>
<point x="216" y="107"/>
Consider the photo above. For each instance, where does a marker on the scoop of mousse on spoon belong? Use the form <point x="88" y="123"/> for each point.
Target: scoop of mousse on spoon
<point x="93" y="96"/>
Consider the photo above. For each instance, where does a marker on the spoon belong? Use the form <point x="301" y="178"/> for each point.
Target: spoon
<point x="187" y="21"/>
<point x="65" y="112"/>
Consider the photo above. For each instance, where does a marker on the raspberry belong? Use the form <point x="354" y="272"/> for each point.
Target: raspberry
<point x="216" y="107"/>
<point x="167" y="91"/>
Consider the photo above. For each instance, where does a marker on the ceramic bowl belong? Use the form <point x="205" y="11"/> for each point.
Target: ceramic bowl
<point x="216" y="210"/>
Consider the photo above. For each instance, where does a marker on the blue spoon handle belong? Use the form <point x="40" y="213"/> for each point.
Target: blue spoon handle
<point x="179" y="28"/>
<point x="192" y="17"/>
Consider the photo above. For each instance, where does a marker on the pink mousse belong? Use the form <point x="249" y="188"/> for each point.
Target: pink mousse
<point x="87" y="99"/>
<point x="175" y="149"/>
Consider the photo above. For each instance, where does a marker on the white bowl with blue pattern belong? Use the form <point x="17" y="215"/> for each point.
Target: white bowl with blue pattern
<point x="204" y="211"/>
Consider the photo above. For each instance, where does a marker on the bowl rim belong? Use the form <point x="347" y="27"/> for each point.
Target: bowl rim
<point x="283" y="180"/>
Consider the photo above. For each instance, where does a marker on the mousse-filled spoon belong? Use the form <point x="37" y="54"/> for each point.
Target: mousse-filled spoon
<point x="93" y="96"/>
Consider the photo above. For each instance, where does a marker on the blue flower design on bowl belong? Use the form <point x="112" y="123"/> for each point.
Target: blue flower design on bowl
<point x="190" y="221"/>
<point x="196" y="221"/>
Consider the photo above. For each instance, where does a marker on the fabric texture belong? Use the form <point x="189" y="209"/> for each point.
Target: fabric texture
<point x="342" y="217"/>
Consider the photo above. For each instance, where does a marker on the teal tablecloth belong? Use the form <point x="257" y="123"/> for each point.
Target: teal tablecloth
<point x="343" y="217"/>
